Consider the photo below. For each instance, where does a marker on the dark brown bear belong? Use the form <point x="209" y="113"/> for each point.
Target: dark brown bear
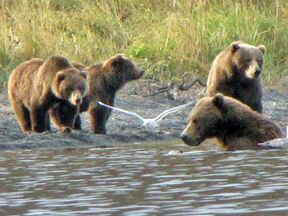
<point x="104" y="79"/>
<point x="35" y="86"/>
<point x="235" y="125"/>
<point x="236" y="72"/>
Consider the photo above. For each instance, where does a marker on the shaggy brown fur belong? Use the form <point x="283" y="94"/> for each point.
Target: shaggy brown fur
<point x="80" y="66"/>
<point x="104" y="79"/>
<point x="35" y="86"/>
<point x="236" y="72"/>
<point x="233" y="123"/>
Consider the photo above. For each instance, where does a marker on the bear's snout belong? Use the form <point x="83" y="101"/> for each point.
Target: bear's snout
<point x="190" y="140"/>
<point x="257" y="72"/>
<point x="253" y="71"/>
<point x="138" y="73"/>
<point x="187" y="139"/>
<point x="78" y="101"/>
<point x="184" y="138"/>
<point x="75" y="98"/>
<point x="141" y="73"/>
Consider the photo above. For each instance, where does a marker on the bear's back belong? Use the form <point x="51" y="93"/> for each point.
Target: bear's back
<point x="51" y="66"/>
<point x="22" y="77"/>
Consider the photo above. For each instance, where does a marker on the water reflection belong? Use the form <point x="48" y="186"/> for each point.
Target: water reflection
<point x="142" y="180"/>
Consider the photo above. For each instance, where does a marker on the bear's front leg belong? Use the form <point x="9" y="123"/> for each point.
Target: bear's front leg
<point x="47" y="123"/>
<point x="98" y="119"/>
<point x="65" y="115"/>
<point x="39" y="119"/>
<point x="78" y="123"/>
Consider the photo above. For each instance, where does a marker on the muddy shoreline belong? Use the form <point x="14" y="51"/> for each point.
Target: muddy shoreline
<point x="146" y="98"/>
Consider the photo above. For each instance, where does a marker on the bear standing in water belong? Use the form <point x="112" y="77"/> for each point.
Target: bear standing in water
<point x="35" y="86"/>
<point x="235" y="125"/>
<point x="104" y="79"/>
<point x="235" y="72"/>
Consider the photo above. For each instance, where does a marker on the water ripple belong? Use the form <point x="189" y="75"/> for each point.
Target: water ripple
<point x="144" y="180"/>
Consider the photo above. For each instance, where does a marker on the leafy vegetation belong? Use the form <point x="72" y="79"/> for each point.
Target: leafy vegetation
<point x="166" y="37"/>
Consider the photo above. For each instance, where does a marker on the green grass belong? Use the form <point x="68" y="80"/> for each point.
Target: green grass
<point x="166" y="37"/>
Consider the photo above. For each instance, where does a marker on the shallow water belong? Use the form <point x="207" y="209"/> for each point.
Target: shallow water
<point x="143" y="179"/>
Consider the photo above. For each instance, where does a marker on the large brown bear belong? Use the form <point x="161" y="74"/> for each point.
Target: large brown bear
<point x="104" y="79"/>
<point x="35" y="86"/>
<point x="235" y="125"/>
<point x="235" y="72"/>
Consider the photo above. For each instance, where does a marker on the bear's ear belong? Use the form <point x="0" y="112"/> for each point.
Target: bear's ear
<point x="262" y="48"/>
<point x="60" y="77"/>
<point x="83" y="74"/>
<point x="117" y="60"/>
<point x="218" y="101"/>
<point x="234" y="46"/>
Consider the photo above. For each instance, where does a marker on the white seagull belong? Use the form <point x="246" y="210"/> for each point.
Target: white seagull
<point x="150" y="123"/>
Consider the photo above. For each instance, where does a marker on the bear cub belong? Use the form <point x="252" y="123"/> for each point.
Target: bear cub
<point x="104" y="80"/>
<point x="235" y="72"/>
<point x="35" y="86"/>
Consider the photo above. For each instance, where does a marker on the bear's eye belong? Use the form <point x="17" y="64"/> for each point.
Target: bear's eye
<point x="247" y="61"/>
<point x="81" y="88"/>
<point x="195" y="121"/>
<point x="69" y="90"/>
<point x="260" y="62"/>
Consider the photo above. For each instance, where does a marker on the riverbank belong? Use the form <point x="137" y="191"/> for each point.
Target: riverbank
<point x="147" y="98"/>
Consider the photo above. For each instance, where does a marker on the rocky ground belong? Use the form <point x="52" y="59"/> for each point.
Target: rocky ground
<point x="147" y="98"/>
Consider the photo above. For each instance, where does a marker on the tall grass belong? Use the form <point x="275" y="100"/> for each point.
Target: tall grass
<point x="167" y="38"/>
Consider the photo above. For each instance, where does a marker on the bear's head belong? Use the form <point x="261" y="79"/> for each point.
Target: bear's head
<point x="247" y="60"/>
<point x="71" y="85"/>
<point x="122" y="69"/>
<point x="211" y="117"/>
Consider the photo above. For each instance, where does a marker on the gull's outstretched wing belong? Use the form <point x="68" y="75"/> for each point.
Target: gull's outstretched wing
<point x="174" y="109"/>
<point x="123" y="111"/>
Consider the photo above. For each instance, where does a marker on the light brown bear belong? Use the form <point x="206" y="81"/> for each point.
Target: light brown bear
<point x="35" y="86"/>
<point x="235" y="72"/>
<point x="235" y="125"/>
<point x="104" y="79"/>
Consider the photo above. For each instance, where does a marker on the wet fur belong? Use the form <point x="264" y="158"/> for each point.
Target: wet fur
<point x="233" y="123"/>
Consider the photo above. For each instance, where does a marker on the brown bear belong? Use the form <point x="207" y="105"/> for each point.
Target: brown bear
<point x="104" y="79"/>
<point x="35" y="86"/>
<point x="235" y="72"/>
<point x="235" y="125"/>
<point x="65" y="115"/>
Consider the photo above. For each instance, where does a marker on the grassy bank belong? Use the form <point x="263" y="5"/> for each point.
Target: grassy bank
<point x="167" y="38"/>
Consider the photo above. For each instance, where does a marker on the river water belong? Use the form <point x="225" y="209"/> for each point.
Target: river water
<point x="143" y="179"/>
